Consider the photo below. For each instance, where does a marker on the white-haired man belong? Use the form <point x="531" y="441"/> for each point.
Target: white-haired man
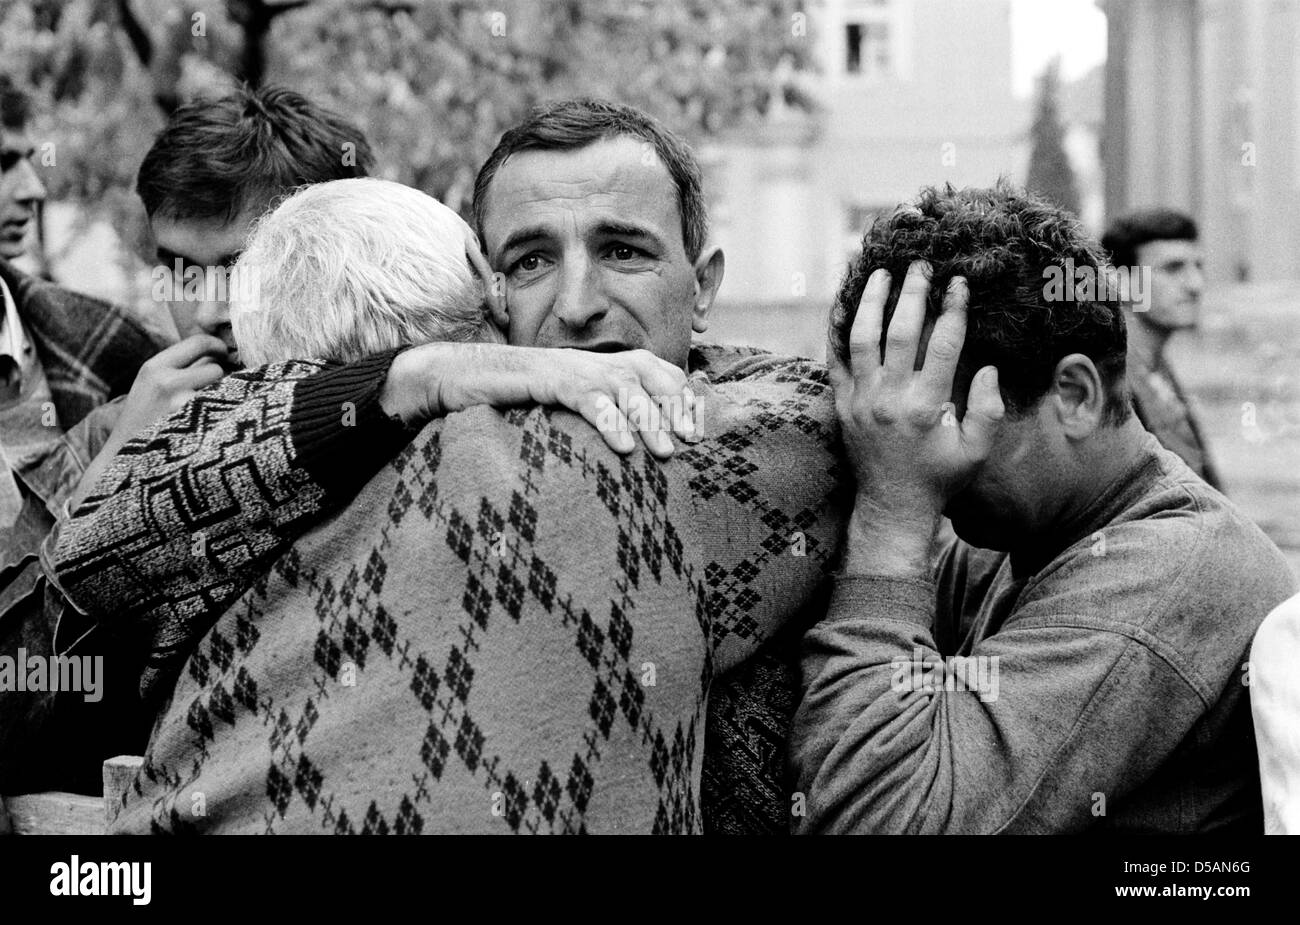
<point x="345" y="269"/>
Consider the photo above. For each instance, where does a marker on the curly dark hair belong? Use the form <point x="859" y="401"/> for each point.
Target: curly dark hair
<point x="215" y="157"/>
<point x="1001" y="240"/>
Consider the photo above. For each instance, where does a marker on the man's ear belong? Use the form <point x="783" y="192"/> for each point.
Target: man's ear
<point x="708" y="277"/>
<point x="494" y="284"/>
<point x="498" y="306"/>
<point x="1078" y="395"/>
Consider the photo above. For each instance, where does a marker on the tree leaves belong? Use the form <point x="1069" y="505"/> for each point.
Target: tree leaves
<point x="432" y="84"/>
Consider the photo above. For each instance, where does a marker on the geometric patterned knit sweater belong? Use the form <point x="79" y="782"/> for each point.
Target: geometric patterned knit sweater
<point x="509" y="629"/>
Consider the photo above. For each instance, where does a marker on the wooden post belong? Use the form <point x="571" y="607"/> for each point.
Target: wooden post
<point x="119" y="775"/>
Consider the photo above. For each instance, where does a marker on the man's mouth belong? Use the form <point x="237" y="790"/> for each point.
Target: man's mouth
<point x="15" y="227"/>
<point x="607" y="346"/>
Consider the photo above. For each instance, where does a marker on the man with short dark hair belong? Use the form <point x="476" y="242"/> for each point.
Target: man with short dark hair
<point x="218" y="165"/>
<point x="1076" y="660"/>
<point x="21" y="189"/>
<point x="592" y="285"/>
<point x="1163" y="242"/>
<point x="215" y="167"/>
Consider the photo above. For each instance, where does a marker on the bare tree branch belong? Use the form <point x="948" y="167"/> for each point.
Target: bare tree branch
<point x="136" y="33"/>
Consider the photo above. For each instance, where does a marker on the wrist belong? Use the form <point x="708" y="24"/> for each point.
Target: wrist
<point x="412" y="390"/>
<point x="890" y="539"/>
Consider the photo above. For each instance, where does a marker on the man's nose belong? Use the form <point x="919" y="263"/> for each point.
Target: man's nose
<point x="578" y="301"/>
<point x="1196" y="280"/>
<point x="212" y="315"/>
<point x="29" y="188"/>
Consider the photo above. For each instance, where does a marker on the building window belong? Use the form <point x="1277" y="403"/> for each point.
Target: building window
<point x="853" y="47"/>
<point x="867" y="49"/>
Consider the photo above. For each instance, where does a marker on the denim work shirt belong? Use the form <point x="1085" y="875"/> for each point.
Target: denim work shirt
<point x="1102" y="686"/>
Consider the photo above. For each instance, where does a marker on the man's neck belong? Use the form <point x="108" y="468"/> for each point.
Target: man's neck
<point x="1146" y="342"/>
<point x="1100" y="476"/>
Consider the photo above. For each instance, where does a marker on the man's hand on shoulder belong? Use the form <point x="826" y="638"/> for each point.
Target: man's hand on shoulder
<point x="620" y="394"/>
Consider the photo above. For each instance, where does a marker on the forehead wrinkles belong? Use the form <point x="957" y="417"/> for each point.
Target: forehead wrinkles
<point x="590" y="192"/>
<point x="560" y="194"/>
<point x="606" y="175"/>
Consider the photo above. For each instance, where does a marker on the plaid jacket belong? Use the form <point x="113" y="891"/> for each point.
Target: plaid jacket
<point x="90" y="349"/>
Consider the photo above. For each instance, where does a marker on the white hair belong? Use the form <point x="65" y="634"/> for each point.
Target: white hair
<point x="344" y="269"/>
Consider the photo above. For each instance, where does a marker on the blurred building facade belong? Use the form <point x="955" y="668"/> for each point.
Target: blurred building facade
<point x="910" y="93"/>
<point x="1203" y="114"/>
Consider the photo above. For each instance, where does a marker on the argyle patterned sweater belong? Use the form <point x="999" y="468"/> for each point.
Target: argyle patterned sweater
<point x="510" y="628"/>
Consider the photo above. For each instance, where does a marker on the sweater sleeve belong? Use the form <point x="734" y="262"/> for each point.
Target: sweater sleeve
<point x="767" y="500"/>
<point x="339" y="434"/>
<point x="1034" y="731"/>
<point x="188" y="514"/>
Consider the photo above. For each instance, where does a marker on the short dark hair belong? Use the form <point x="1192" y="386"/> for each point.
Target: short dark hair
<point x="1129" y="232"/>
<point x="576" y="123"/>
<point x="1001" y="240"/>
<point x="15" y="105"/>
<point x="217" y="157"/>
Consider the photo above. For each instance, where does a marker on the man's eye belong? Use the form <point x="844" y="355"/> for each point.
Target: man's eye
<point x="9" y="161"/>
<point x="528" y="263"/>
<point x="623" y="252"/>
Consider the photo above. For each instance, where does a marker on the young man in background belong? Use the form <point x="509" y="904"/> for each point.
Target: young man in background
<point x="215" y="167"/>
<point x="1165" y="242"/>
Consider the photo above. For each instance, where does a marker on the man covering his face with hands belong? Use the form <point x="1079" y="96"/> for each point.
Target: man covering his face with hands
<point x="1107" y="594"/>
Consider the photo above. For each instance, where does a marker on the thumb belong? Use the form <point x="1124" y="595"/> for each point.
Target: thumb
<point x="984" y="412"/>
<point x="190" y="350"/>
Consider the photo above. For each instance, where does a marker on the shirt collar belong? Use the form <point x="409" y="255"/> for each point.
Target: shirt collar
<point x="13" y="342"/>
